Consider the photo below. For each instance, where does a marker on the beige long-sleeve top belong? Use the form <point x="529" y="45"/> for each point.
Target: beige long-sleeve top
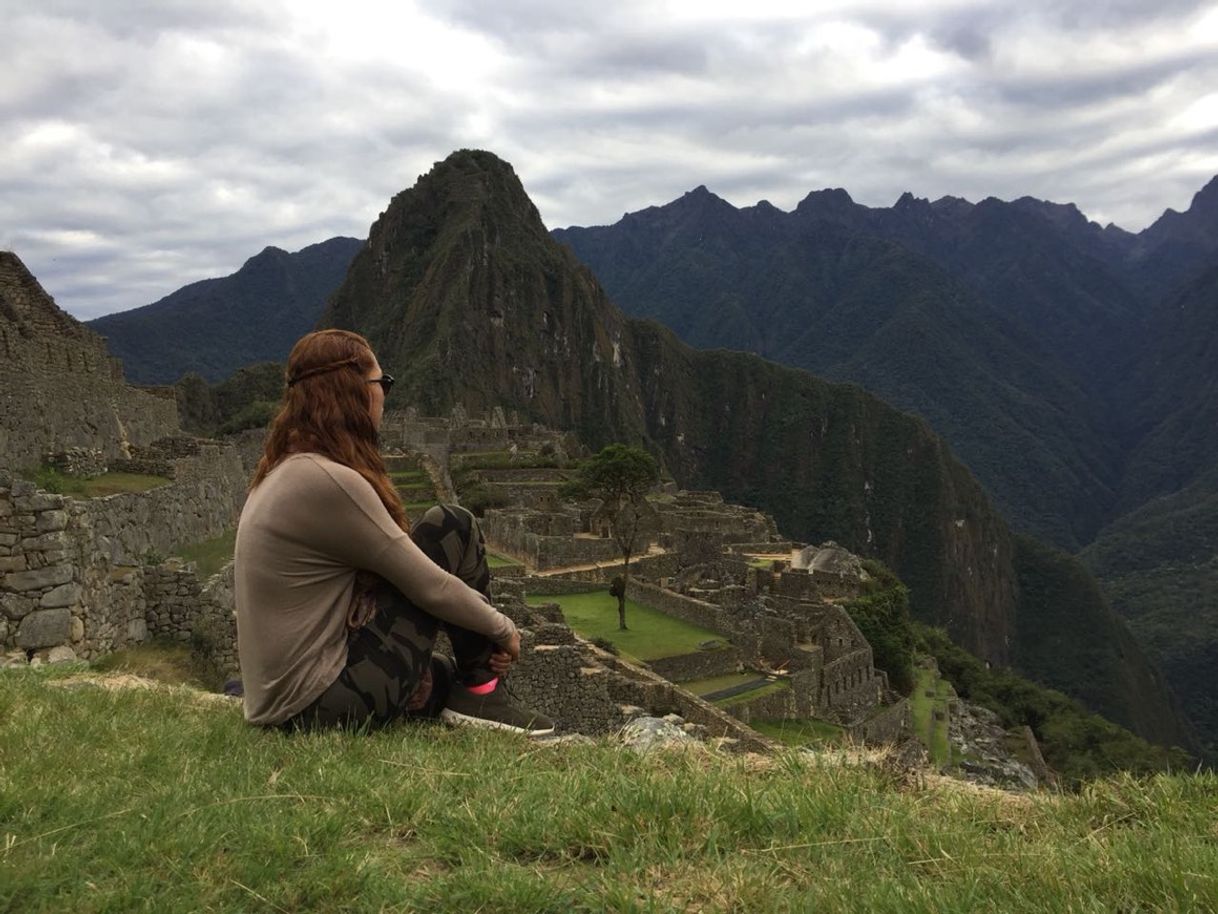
<point x="305" y="531"/>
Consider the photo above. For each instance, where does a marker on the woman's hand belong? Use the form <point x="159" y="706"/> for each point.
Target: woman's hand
<point x="508" y="653"/>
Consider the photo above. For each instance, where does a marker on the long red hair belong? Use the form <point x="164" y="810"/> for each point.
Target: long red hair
<point x="327" y="410"/>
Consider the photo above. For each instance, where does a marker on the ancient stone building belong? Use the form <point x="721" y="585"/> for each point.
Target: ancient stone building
<point x="59" y="386"/>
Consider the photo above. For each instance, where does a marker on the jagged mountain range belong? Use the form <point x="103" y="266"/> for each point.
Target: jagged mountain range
<point x="1014" y="328"/>
<point x="213" y="327"/>
<point x="470" y="301"/>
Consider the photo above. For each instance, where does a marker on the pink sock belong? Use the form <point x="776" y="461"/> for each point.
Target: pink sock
<point x="485" y="689"/>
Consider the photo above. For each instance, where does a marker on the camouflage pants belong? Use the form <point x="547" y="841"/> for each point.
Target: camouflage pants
<point x="390" y="671"/>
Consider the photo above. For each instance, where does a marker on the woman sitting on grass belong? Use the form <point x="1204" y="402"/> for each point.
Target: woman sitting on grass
<point x="337" y="606"/>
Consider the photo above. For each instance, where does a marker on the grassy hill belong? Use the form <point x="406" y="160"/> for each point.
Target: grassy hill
<point x="163" y="799"/>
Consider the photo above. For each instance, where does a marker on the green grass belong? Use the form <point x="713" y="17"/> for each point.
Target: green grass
<point x="650" y="635"/>
<point x="933" y="733"/>
<point x="98" y="486"/>
<point x="498" y="561"/>
<point x="152" y="800"/>
<point x="800" y="732"/>
<point x="745" y="697"/>
<point x="210" y="555"/>
<point x="409" y="477"/>
<point x="715" y="683"/>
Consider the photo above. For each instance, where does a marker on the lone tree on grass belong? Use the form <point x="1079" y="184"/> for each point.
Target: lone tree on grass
<point x="620" y="476"/>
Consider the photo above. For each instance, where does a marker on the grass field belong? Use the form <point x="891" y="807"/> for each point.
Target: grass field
<point x="157" y="800"/>
<point x="650" y="635"/>
<point x="746" y="697"/>
<point x="799" y="732"/>
<point x="715" y="683"/>
<point x="498" y="561"/>
<point x="98" y="486"/>
<point x="933" y="733"/>
<point x="210" y="555"/>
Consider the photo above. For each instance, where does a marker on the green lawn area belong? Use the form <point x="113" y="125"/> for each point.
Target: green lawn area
<point x="932" y="732"/>
<point x="409" y="477"/>
<point x="715" y="683"/>
<point x="210" y="555"/>
<point x="746" y="697"/>
<point x="799" y="732"/>
<point x="97" y="487"/>
<point x="161" y="799"/>
<point x="650" y="634"/>
<point x="498" y="561"/>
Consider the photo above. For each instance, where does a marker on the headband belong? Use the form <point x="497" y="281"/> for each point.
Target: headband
<point x="323" y="369"/>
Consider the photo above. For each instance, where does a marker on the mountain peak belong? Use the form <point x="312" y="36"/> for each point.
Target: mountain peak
<point x="832" y="202"/>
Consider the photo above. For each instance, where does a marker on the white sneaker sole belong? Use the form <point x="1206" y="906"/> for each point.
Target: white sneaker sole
<point x="464" y="720"/>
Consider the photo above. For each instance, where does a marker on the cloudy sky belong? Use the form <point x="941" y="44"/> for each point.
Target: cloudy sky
<point x="150" y="144"/>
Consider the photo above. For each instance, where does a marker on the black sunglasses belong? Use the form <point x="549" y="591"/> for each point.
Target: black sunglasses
<point x="385" y="380"/>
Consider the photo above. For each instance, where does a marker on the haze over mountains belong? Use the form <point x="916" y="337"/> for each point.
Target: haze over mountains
<point x="1027" y="336"/>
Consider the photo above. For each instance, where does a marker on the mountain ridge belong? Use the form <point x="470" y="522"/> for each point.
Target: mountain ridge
<point x="215" y="326"/>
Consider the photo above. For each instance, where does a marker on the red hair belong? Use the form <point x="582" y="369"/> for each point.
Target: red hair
<point x="327" y="410"/>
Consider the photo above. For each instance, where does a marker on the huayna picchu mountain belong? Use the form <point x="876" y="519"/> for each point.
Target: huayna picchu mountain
<point x="215" y="326"/>
<point x="469" y="301"/>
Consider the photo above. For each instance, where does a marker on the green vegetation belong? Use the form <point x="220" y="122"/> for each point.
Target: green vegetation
<point x="715" y="683"/>
<point x="931" y="694"/>
<point x="211" y="555"/>
<point x="51" y="480"/>
<point x="1075" y="743"/>
<point x="1109" y="674"/>
<point x="800" y="732"/>
<point x="168" y="662"/>
<point x="882" y="615"/>
<point x="652" y="634"/>
<point x="744" y="698"/>
<point x="247" y="399"/>
<point x="154" y="799"/>
<point x="475" y="492"/>
<point x="1158" y="566"/>
<point x="620" y="476"/>
<point x="499" y="561"/>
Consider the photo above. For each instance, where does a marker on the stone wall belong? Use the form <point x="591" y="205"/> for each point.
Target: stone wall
<point x="552" y="586"/>
<point x="59" y="386"/>
<point x="697" y="665"/>
<point x="511" y="532"/>
<point x="889" y="723"/>
<point x="850" y="686"/>
<point x="72" y="572"/>
<point x="203" y="501"/>
<point x="695" y="612"/>
<point x="181" y="607"/>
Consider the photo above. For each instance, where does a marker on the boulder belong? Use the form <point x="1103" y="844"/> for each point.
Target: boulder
<point x="44" y="628"/>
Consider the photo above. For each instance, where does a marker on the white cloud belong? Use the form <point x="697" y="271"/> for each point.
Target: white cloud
<point x="150" y="146"/>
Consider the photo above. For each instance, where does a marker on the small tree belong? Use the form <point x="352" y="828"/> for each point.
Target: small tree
<point x="620" y="476"/>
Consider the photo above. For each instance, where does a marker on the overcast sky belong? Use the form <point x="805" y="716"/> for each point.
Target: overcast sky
<point x="147" y="145"/>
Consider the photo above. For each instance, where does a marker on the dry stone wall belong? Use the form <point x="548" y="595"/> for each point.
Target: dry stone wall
<point x="73" y="576"/>
<point x="203" y="501"/>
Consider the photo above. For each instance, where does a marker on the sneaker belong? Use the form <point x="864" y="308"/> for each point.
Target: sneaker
<point x="493" y="710"/>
